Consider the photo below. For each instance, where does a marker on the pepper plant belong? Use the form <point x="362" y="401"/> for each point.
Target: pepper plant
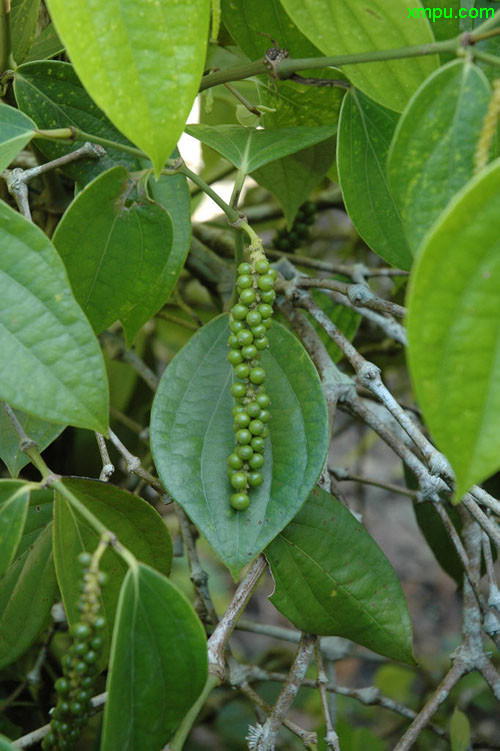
<point x="208" y="367"/>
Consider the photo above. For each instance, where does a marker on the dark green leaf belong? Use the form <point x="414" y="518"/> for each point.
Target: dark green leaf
<point x="438" y="539"/>
<point x="5" y="744"/>
<point x="365" y="132"/>
<point x="51" y="93"/>
<point x="248" y="148"/>
<point x="331" y="578"/>
<point x="454" y="330"/>
<point x="14" y="501"/>
<point x="345" y="27"/>
<point x="45" y="45"/>
<point x="459" y="731"/>
<point x="23" y="18"/>
<point x="27" y="592"/>
<point x="192" y="436"/>
<point x="432" y="153"/>
<point x="293" y="178"/>
<point x="109" y="283"/>
<point x="16" y="130"/>
<point x="56" y="370"/>
<point x="135" y="523"/>
<point x="136" y="61"/>
<point x="41" y="431"/>
<point x="158" y="640"/>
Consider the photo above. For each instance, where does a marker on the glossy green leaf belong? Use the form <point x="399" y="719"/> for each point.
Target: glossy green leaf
<point x="44" y="334"/>
<point x="135" y="523"/>
<point x="120" y="265"/>
<point x="331" y="578"/>
<point x="136" y="61"/>
<point x="454" y="330"/>
<point x="16" y="130"/>
<point x="51" y="93"/>
<point x="45" y="45"/>
<point x="459" y="731"/>
<point x="293" y="178"/>
<point x="365" y="132"/>
<point x="23" y="18"/>
<point x="248" y="148"/>
<point x="41" y="431"/>
<point x="192" y="436"/>
<point x="432" y="153"/>
<point x="14" y="501"/>
<point x="346" y="27"/>
<point x="27" y="592"/>
<point x="159" y="640"/>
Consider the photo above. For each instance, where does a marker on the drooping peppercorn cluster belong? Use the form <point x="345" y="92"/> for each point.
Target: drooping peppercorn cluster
<point x="76" y="686"/>
<point x="250" y="321"/>
<point x="289" y="241"/>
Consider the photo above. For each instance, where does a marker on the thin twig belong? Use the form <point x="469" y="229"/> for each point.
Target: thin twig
<point x="331" y="737"/>
<point x="133" y="465"/>
<point x="343" y="475"/>
<point x="360" y="295"/>
<point x="120" y="352"/>
<point x="107" y="465"/>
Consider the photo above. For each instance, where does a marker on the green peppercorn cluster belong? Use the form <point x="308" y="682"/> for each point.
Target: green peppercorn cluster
<point x="299" y="233"/>
<point x="250" y="320"/>
<point x="76" y="686"/>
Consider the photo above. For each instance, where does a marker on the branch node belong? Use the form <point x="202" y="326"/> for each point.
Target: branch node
<point x="359" y="294"/>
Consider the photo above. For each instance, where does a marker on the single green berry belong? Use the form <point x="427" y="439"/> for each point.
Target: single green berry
<point x="265" y="310"/>
<point x="256" y="427"/>
<point x="79" y="648"/>
<point x="244" y="337"/>
<point x="253" y="318"/>
<point x="236" y="326"/>
<point x="264" y="415"/>
<point x="234" y="356"/>
<point x="249" y="352"/>
<point x="268" y="323"/>
<point x="242" y="371"/>
<point x="255" y="478"/>
<point x="234" y="461"/>
<point x="253" y="410"/>
<point x="248" y="296"/>
<point x="77" y="708"/>
<point x="232" y="341"/>
<point x="244" y="281"/>
<point x="239" y="312"/>
<point x="265" y="432"/>
<point x="244" y="268"/>
<point x="100" y="623"/>
<point x="239" y="480"/>
<point x="245" y="452"/>
<point x="81" y="668"/>
<point x="273" y="274"/>
<point x="262" y="266"/>
<point x="97" y="642"/>
<point x="74" y="735"/>
<point x="259" y="330"/>
<point x="243" y="436"/>
<point x="242" y="419"/>
<point x="257" y="461"/>
<point x="84" y="695"/>
<point x="84" y="559"/>
<point x="91" y="656"/>
<point x="230" y="472"/>
<point x="80" y="630"/>
<point x="262" y="342"/>
<point x="258" y="443"/>
<point x="263" y="400"/>
<point x="265" y="283"/>
<point x="102" y="577"/>
<point x="64" y="728"/>
<point x="61" y="686"/>
<point x="238" y="390"/>
<point x="257" y="375"/>
<point x="269" y="296"/>
<point x="88" y="681"/>
<point x="240" y="501"/>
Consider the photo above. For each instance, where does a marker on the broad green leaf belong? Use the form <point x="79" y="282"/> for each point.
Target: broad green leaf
<point x="445" y="21"/>
<point x="27" y="593"/>
<point x="135" y="62"/>
<point x="23" y="18"/>
<point x="346" y="27"/>
<point x="331" y="578"/>
<point x="51" y="93"/>
<point x="56" y="370"/>
<point x="159" y="640"/>
<point x="432" y="152"/>
<point x="45" y="45"/>
<point x="248" y="148"/>
<point x="135" y="523"/>
<point x="5" y="744"/>
<point x="120" y="264"/>
<point x="454" y="330"/>
<point x="41" y="431"/>
<point x="16" y="130"/>
<point x="459" y="731"/>
<point x="293" y="178"/>
<point x="14" y="501"/>
<point x="365" y="132"/>
<point x="192" y="436"/>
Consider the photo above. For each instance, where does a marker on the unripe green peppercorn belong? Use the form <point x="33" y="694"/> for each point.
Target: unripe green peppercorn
<point x="234" y="461"/>
<point x="243" y="436"/>
<point x="244" y="281"/>
<point x="249" y="352"/>
<point x="265" y="283"/>
<point x="242" y="419"/>
<point x="262" y="399"/>
<point x="239" y="312"/>
<point x="248" y="296"/>
<point x="238" y="390"/>
<point x="253" y="409"/>
<point x="257" y="461"/>
<point x="245" y="452"/>
<point x="244" y="337"/>
<point x="268" y="296"/>
<point x="257" y="375"/>
<point x="242" y="371"/>
<point x="239" y="480"/>
<point x="235" y="356"/>
<point x="258" y="443"/>
<point x="262" y="266"/>
<point x="262" y="342"/>
<point x="265" y="310"/>
<point x="259" y="330"/>
<point x="255" y="478"/>
<point x="240" y="501"/>
<point x="256" y="427"/>
<point x="253" y="318"/>
<point x="244" y="268"/>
